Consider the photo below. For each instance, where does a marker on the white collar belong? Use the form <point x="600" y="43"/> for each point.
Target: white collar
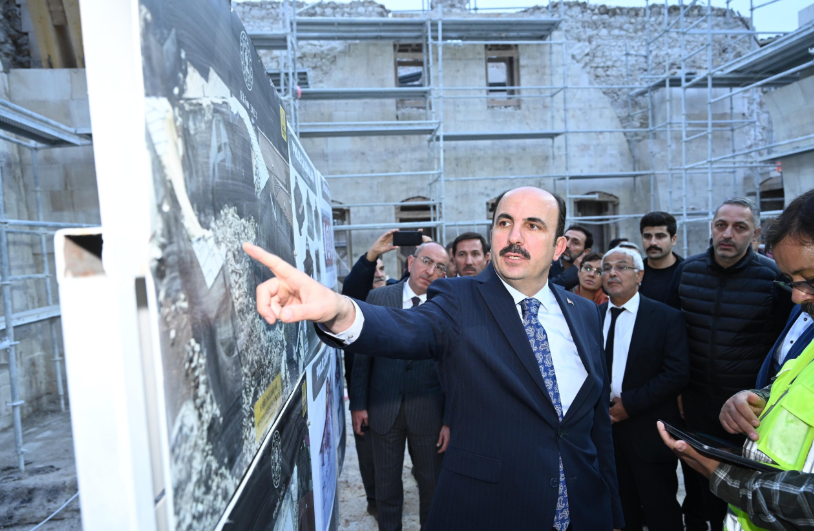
<point x="409" y="293"/>
<point x="632" y="305"/>
<point x="544" y="296"/>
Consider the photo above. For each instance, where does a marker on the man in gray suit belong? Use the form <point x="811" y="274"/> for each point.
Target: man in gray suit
<point x="401" y="401"/>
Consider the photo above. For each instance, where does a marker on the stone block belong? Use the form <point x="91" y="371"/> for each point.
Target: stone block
<point x="79" y="84"/>
<point x="39" y="84"/>
<point x="52" y="176"/>
<point x="86" y="203"/>
<point x="60" y="201"/>
<point x="80" y="114"/>
<point x="53" y="109"/>
<point x="81" y="177"/>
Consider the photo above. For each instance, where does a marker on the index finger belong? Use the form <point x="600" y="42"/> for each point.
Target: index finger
<point x="278" y="266"/>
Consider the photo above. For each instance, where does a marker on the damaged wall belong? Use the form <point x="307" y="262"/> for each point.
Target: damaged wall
<point x="598" y="39"/>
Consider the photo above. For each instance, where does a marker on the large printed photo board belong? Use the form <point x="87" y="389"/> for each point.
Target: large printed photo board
<point x="227" y="169"/>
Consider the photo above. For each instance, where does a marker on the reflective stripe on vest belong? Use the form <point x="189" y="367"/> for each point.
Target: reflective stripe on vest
<point x="786" y="425"/>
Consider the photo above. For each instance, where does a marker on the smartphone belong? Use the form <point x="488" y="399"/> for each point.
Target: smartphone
<point x="407" y="238"/>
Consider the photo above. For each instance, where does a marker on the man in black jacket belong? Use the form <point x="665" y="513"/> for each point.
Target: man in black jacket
<point x="648" y="365"/>
<point x="658" y="230"/>
<point x="734" y="314"/>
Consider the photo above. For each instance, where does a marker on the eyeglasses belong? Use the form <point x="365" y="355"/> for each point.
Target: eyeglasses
<point x="618" y="268"/>
<point x="427" y="261"/>
<point x="803" y="286"/>
<point x="591" y="269"/>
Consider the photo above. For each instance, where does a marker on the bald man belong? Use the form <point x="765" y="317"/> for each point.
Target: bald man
<point x="402" y="403"/>
<point x="522" y="366"/>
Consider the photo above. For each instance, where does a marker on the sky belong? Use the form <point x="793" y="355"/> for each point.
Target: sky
<point x="780" y="16"/>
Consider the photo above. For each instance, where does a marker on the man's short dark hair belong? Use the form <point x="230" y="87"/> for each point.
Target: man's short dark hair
<point x="658" y="219"/>
<point x="560" y="218"/>
<point x="614" y="243"/>
<point x="470" y="236"/>
<point x="589" y="236"/>
<point x="745" y="203"/>
<point x="795" y="222"/>
<point x="592" y="257"/>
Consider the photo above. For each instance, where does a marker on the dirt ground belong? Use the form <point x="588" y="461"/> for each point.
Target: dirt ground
<point x="49" y="480"/>
<point x="353" y="514"/>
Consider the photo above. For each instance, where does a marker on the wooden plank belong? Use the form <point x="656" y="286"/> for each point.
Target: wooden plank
<point x="45" y="34"/>
<point x="75" y="30"/>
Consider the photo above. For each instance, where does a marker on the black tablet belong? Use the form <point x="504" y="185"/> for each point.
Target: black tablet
<point x="719" y="449"/>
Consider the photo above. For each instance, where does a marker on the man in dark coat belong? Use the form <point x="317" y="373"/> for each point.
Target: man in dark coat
<point x="402" y="401"/>
<point x="648" y="361"/>
<point x="522" y="367"/>
<point x="734" y="314"/>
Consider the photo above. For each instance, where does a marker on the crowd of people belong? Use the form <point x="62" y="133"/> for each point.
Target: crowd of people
<point x="557" y="413"/>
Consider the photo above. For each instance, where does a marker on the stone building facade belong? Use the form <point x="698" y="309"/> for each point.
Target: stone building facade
<point x="606" y="51"/>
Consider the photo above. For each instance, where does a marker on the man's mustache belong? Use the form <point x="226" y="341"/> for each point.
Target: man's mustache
<point x="515" y="249"/>
<point x="654" y="248"/>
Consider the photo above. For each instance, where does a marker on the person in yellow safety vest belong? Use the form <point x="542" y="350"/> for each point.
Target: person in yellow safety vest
<point x="779" y="419"/>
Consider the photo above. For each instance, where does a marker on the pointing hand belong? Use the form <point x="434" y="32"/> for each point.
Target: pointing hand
<point x="293" y="296"/>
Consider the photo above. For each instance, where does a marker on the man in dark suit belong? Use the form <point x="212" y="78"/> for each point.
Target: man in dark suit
<point x="798" y="333"/>
<point x="522" y="367"/>
<point x="402" y="401"/>
<point x="648" y="361"/>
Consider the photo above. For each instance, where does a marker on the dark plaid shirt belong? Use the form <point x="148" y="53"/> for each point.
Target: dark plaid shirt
<point x="778" y="501"/>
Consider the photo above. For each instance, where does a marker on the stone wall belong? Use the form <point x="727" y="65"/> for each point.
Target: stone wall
<point x="598" y="38"/>
<point x="68" y="191"/>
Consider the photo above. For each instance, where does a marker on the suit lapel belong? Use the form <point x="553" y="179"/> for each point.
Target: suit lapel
<point x="577" y="328"/>
<point x="503" y="309"/>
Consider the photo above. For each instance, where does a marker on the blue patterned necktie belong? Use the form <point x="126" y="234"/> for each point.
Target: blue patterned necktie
<point x="539" y="344"/>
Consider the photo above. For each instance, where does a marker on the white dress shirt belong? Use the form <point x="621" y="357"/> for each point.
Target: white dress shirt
<point x="621" y="340"/>
<point x="568" y="366"/>
<point x="571" y="373"/>
<point x="407" y="300"/>
<point x="800" y="325"/>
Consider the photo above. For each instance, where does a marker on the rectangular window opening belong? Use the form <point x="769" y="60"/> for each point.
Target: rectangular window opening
<point x="503" y="73"/>
<point x="410" y="72"/>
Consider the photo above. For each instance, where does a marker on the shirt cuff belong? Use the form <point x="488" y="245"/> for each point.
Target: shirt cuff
<point x="351" y="334"/>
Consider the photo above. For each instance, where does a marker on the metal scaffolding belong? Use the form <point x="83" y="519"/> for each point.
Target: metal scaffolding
<point x="774" y="65"/>
<point x="34" y="132"/>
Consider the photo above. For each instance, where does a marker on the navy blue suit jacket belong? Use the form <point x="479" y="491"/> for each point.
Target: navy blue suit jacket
<point x="770" y="368"/>
<point x="502" y="466"/>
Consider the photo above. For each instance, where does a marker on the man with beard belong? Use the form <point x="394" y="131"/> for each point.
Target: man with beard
<point x="777" y="419"/>
<point x="734" y="313"/>
<point x="522" y="366"/>
<point x="659" y="237"/>
<point x="579" y="241"/>
<point x="470" y="253"/>
<point x="402" y="402"/>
